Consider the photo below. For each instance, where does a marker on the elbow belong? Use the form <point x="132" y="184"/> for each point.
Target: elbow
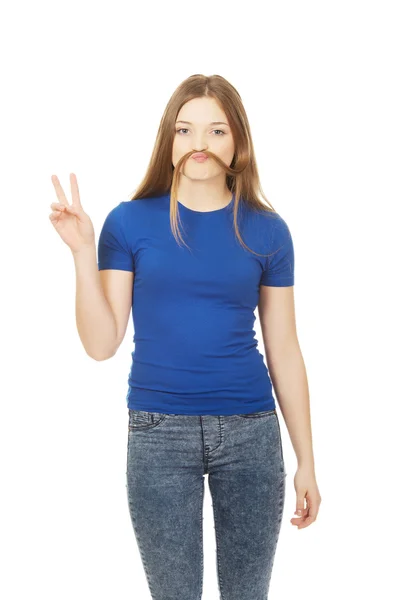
<point x="100" y="357"/>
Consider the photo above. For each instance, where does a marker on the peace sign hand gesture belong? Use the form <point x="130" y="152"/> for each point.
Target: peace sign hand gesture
<point x="70" y="221"/>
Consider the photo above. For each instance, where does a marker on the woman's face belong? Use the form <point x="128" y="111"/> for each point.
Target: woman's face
<point x="199" y="134"/>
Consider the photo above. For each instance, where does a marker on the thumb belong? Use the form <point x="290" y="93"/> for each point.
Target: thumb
<point x="77" y="211"/>
<point x="71" y="209"/>
<point x="299" y="506"/>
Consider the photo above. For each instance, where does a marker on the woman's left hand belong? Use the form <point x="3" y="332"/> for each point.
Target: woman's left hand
<point x="306" y="489"/>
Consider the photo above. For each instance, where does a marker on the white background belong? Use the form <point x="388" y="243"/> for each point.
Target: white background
<point x="84" y="87"/>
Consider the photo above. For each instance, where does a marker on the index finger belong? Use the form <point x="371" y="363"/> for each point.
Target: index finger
<point x="59" y="191"/>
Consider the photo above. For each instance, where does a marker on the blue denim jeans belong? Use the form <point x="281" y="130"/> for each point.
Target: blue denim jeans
<point x="167" y="458"/>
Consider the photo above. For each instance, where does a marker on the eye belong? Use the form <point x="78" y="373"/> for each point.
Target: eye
<point x="185" y="129"/>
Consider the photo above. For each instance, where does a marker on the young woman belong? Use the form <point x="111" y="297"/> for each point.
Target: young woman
<point x="200" y="398"/>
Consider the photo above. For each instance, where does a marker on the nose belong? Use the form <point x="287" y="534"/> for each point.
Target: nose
<point x="201" y="144"/>
<point x="202" y="149"/>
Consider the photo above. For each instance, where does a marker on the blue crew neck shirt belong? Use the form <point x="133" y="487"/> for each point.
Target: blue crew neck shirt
<point x="193" y="310"/>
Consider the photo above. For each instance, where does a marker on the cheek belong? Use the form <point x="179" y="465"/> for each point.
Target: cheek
<point x="228" y="152"/>
<point x="175" y="152"/>
<point x="178" y="148"/>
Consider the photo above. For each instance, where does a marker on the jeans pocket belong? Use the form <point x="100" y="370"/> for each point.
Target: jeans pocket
<point x="259" y="414"/>
<point x="143" y="419"/>
<point x="266" y="423"/>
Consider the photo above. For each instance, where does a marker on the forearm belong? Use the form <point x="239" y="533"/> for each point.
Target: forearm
<point x="288" y="375"/>
<point x="94" y="318"/>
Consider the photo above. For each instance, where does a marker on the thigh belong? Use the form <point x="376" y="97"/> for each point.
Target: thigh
<point x="247" y="485"/>
<point x="166" y="506"/>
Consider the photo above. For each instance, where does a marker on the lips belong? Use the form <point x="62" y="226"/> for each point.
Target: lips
<point x="199" y="155"/>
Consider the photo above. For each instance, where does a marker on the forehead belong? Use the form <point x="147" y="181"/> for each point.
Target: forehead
<point x="202" y="111"/>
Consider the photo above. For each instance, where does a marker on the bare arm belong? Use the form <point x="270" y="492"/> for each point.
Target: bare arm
<point x="103" y="304"/>
<point x="286" y="367"/>
<point x="103" y="297"/>
<point x="94" y="318"/>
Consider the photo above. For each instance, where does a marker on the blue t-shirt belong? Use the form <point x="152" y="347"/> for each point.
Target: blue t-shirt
<point x="193" y="310"/>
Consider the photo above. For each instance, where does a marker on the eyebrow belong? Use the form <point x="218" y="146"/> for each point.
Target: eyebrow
<point x="212" y="123"/>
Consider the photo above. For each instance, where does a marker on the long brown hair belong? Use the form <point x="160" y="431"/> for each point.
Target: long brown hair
<point x="242" y="177"/>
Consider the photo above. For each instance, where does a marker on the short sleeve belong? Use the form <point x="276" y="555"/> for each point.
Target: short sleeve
<point x="113" y="250"/>
<point x="279" y="266"/>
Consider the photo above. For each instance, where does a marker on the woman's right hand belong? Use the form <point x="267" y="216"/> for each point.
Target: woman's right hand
<point x="70" y="221"/>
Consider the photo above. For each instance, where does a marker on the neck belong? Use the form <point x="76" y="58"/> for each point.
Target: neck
<point x="203" y="195"/>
